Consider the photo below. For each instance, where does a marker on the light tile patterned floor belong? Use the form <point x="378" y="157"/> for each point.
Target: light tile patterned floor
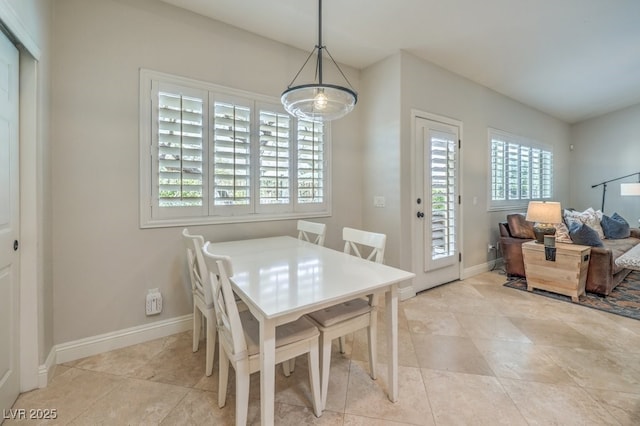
<point x="471" y="353"/>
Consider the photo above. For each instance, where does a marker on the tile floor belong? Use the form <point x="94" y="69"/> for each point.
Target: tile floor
<point x="471" y="352"/>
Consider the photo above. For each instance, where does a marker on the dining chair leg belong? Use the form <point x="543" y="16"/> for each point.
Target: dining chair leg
<point x="314" y="380"/>
<point x="288" y="366"/>
<point x="373" y="344"/>
<point x="223" y="376"/>
<point x="325" y="362"/>
<point x="242" y="392"/>
<point x="342" y="344"/>
<point x="211" y="345"/>
<point x="197" y="325"/>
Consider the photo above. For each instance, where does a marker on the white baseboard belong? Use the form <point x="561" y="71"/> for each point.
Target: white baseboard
<point x="478" y="269"/>
<point x="45" y="371"/>
<point x="407" y="292"/>
<point x="71" y="351"/>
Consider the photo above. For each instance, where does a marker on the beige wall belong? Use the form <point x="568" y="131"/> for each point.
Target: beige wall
<point x="432" y="89"/>
<point x="405" y="82"/>
<point x="380" y="111"/>
<point x="103" y="263"/>
<point x="605" y="148"/>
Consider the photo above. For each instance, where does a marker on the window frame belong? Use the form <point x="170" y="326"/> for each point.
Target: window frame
<point x="528" y="144"/>
<point x="151" y="215"/>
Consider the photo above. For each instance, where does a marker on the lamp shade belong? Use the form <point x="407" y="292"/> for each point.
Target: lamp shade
<point x="627" y="189"/>
<point x="544" y="212"/>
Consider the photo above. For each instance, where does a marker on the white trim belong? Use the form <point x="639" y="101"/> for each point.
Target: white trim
<point x="415" y="113"/>
<point x="407" y="292"/>
<point x="30" y="224"/>
<point x="77" y="349"/>
<point x="30" y="171"/>
<point x="13" y="22"/>
<point x="94" y="345"/>
<point x="479" y="269"/>
<point x="46" y="370"/>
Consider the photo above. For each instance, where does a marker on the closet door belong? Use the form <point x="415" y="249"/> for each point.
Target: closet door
<point x="9" y="229"/>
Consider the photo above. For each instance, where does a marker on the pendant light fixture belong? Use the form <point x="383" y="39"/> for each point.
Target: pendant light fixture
<point x="319" y="101"/>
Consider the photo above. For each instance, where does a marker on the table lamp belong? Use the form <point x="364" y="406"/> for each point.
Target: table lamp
<point x="545" y="214"/>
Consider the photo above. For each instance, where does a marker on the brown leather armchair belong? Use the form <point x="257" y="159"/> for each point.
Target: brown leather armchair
<point x="511" y="248"/>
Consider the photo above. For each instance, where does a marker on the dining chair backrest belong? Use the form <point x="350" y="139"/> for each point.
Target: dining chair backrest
<point x="227" y="315"/>
<point x="197" y="266"/>
<point x="356" y="241"/>
<point x="306" y="231"/>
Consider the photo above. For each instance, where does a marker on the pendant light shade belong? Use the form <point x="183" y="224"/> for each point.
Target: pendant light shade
<point x="319" y="101"/>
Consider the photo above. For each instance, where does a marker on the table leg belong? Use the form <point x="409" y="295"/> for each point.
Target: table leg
<point x="391" y="302"/>
<point x="267" y="371"/>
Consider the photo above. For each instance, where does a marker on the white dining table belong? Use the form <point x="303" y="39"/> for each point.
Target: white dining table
<point x="282" y="278"/>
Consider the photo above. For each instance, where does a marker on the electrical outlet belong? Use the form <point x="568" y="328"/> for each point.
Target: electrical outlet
<point x="154" y="302"/>
<point x="379" y="201"/>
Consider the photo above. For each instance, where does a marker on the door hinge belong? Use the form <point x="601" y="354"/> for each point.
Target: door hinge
<point x="459" y="199"/>
<point x="460" y="257"/>
<point x="459" y="144"/>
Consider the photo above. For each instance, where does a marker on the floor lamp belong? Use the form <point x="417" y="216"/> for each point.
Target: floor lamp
<point x="625" y="188"/>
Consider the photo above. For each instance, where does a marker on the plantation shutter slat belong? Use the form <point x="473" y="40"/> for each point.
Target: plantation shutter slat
<point x="179" y="150"/>
<point x="525" y="172"/>
<point x="310" y="162"/>
<point x="497" y="170"/>
<point x="275" y="158"/>
<point x="442" y="178"/>
<point x="231" y="154"/>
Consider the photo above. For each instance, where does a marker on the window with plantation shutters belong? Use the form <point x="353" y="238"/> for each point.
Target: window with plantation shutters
<point x="210" y="154"/>
<point x="521" y="170"/>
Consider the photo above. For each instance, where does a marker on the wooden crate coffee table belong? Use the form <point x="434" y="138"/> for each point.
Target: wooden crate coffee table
<point x="567" y="275"/>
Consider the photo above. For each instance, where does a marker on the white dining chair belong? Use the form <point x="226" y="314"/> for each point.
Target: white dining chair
<point x="339" y="320"/>
<point x="202" y="297"/>
<point x="312" y="232"/>
<point x="239" y="340"/>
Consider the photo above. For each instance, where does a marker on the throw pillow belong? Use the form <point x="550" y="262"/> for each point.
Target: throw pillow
<point x="615" y="227"/>
<point x="519" y="227"/>
<point x="589" y="217"/>
<point x="584" y="235"/>
<point x="562" y="233"/>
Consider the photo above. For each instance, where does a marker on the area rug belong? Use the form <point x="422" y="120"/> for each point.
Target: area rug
<point x="624" y="299"/>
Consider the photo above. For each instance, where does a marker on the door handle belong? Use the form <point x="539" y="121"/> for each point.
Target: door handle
<point x="420" y="215"/>
<point x="15" y="245"/>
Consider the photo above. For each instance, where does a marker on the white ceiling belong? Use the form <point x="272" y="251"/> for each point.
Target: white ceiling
<point x="573" y="59"/>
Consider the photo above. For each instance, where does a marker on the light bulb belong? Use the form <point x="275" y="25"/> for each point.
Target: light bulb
<point x="320" y="100"/>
